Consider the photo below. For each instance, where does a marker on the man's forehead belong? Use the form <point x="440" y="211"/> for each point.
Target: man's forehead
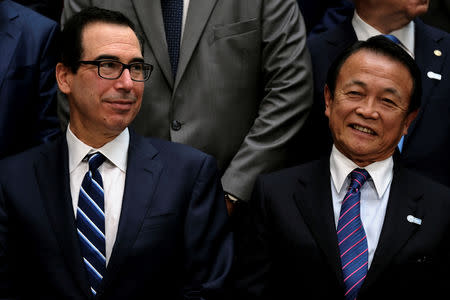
<point x="100" y="36"/>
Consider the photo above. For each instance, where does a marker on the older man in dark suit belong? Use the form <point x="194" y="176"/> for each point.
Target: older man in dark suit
<point x="355" y="224"/>
<point x="103" y="212"/>
<point x="425" y="147"/>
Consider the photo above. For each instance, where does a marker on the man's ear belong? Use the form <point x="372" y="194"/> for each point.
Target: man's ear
<point x="328" y="99"/>
<point x="64" y="78"/>
<point x="409" y="119"/>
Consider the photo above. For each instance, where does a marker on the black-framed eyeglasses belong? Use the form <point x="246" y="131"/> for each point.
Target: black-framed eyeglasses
<point x="113" y="69"/>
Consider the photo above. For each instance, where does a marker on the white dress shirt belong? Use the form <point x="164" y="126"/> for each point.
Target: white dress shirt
<point x="113" y="172"/>
<point x="185" y="11"/>
<point x="405" y="34"/>
<point x="374" y="193"/>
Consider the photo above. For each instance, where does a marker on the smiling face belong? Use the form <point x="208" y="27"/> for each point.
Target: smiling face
<point x="368" y="112"/>
<point x="100" y="109"/>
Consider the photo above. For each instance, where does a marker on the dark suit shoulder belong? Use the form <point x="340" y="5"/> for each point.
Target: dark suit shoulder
<point x="301" y="173"/>
<point x="172" y="153"/>
<point x="421" y="182"/>
<point x="15" y="166"/>
<point x="174" y="148"/>
<point x="432" y="32"/>
<point x="28" y="17"/>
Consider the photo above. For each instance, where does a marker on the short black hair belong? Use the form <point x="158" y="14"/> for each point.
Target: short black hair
<point x="71" y="44"/>
<point x="380" y="45"/>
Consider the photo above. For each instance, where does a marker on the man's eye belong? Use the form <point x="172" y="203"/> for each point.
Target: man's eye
<point x="388" y="101"/>
<point x="354" y="93"/>
<point x="137" y="67"/>
<point x="109" y="65"/>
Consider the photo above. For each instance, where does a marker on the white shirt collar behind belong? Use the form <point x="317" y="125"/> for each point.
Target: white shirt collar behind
<point x="364" y="31"/>
<point x="381" y="172"/>
<point x="115" y="151"/>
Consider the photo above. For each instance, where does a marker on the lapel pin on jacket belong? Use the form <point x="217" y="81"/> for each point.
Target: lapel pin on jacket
<point x="433" y="75"/>
<point x="414" y="220"/>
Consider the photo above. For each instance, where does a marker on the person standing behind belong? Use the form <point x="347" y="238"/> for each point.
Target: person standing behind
<point x="103" y="211"/>
<point x="355" y="224"/>
<point x="425" y="147"/>
<point x="232" y="78"/>
<point x="50" y="8"/>
<point x="29" y="52"/>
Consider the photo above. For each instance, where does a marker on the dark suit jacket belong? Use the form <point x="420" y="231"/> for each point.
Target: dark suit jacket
<point x="290" y="248"/>
<point x="243" y="85"/>
<point x="172" y="242"/>
<point x="28" y="47"/>
<point x="50" y="8"/>
<point x="427" y="144"/>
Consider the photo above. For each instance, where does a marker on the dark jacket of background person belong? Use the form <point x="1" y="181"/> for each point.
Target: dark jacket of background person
<point x="50" y="8"/>
<point x="29" y="51"/>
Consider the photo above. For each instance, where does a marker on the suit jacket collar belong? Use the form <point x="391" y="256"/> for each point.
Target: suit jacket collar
<point x="342" y="36"/>
<point x="404" y="200"/>
<point x="149" y="14"/>
<point x="426" y="42"/>
<point x="314" y="201"/>
<point x="9" y="36"/>
<point x="52" y="174"/>
<point x="142" y="177"/>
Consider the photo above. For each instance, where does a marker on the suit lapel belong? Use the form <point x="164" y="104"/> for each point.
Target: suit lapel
<point x="340" y="38"/>
<point x="404" y="198"/>
<point x="52" y="173"/>
<point x="198" y="14"/>
<point x="143" y="172"/>
<point x="150" y="16"/>
<point x="314" y="201"/>
<point x="426" y="42"/>
<point x="9" y="36"/>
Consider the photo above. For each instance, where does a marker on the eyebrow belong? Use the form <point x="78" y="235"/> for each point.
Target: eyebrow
<point x="112" y="57"/>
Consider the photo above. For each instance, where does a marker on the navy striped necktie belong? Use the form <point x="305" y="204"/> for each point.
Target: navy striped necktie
<point x="172" y="12"/>
<point x="91" y="222"/>
<point x="352" y="237"/>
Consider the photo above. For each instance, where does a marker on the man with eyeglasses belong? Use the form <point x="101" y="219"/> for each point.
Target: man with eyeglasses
<point x="103" y="212"/>
<point x="232" y="78"/>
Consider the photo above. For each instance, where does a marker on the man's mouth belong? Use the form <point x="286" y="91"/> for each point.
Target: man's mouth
<point x="363" y="129"/>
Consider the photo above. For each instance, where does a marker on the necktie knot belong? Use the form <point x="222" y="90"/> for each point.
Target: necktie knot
<point x="393" y="38"/>
<point x="358" y="178"/>
<point x="95" y="160"/>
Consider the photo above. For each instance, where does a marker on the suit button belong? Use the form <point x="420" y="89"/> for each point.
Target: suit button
<point x="176" y="125"/>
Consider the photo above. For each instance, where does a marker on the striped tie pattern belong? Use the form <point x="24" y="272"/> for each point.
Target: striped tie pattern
<point x="172" y="12"/>
<point x="91" y="222"/>
<point x="351" y="236"/>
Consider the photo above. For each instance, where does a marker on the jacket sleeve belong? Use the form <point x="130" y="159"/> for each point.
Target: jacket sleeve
<point x="208" y="238"/>
<point x="286" y="93"/>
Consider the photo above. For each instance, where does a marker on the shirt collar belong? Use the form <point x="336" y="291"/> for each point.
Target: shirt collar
<point x="364" y="31"/>
<point x="115" y="151"/>
<point x="381" y="172"/>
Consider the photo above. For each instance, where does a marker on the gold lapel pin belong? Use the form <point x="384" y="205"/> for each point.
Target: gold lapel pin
<point x="437" y="52"/>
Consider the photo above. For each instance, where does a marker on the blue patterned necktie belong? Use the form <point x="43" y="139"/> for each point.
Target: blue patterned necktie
<point x="352" y="237"/>
<point x="172" y="12"/>
<point x="91" y="222"/>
